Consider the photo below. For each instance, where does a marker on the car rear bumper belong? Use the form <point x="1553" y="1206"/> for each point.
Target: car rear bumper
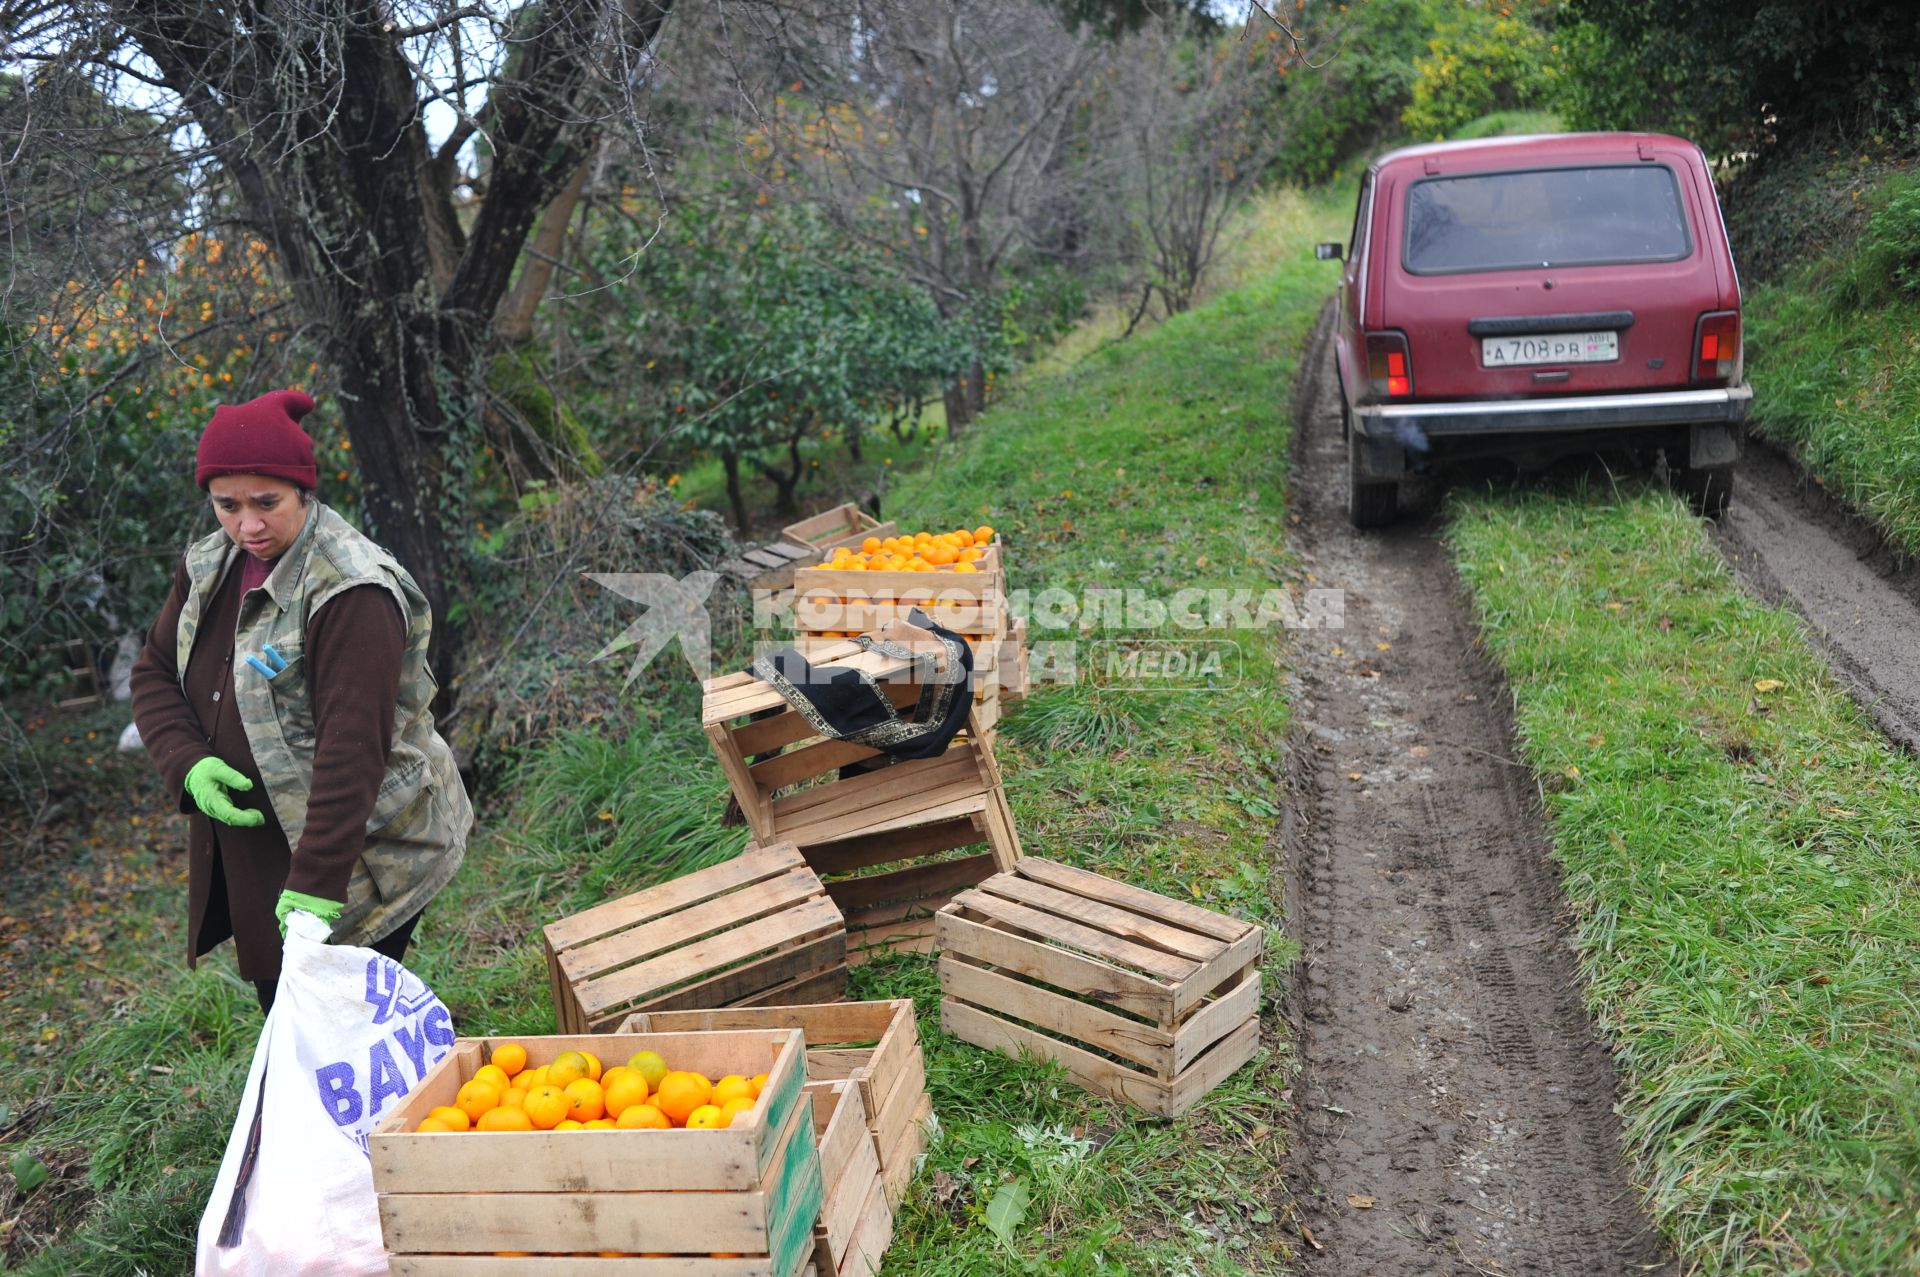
<point x="1542" y="416"/>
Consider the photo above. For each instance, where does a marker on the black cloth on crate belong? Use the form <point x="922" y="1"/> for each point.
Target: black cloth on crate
<point x="847" y="704"/>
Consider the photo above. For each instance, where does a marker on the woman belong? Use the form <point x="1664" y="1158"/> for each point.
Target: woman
<point x="283" y="693"/>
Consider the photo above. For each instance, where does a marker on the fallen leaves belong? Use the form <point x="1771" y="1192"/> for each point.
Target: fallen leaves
<point x="1360" y="1201"/>
<point x="1765" y="685"/>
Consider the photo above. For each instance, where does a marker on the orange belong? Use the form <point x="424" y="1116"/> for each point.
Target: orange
<point x="503" y="1119"/>
<point x="643" y="1117"/>
<point x="585" y="1101"/>
<point x="510" y="1057"/>
<point x="650" y="1066"/>
<point x="707" y="1118"/>
<point x="593" y="1065"/>
<point x="476" y="1097"/>
<point x="546" y="1106"/>
<point x="493" y="1075"/>
<point x="625" y="1091"/>
<point x="432" y="1125"/>
<point x="600" y="1124"/>
<point x="568" y="1066"/>
<point x="531" y="1078"/>
<point x="613" y="1075"/>
<point x="965" y="567"/>
<point x="571" y="1125"/>
<point x="680" y="1094"/>
<point x="514" y="1098"/>
<point x="456" y="1119"/>
<point x="964" y="536"/>
<point x="734" y="1108"/>
<point x="982" y="534"/>
<point x="731" y="1087"/>
<point x="759" y="1081"/>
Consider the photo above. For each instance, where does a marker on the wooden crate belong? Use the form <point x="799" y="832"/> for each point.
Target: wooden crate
<point x="903" y="1161"/>
<point x="856" y="1223"/>
<point x="450" y="1203"/>
<point x="885" y="841"/>
<point x="829" y="600"/>
<point x="874" y="1045"/>
<point x="757" y="928"/>
<point x="1013" y="663"/>
<point x="1147" y="999"/>
<point x="846" y="525"/>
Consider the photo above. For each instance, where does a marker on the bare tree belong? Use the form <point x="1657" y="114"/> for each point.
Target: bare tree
<point x="309" y="121"/>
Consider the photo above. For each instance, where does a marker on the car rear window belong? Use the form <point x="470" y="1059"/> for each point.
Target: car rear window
<point x="1545" y="217"/>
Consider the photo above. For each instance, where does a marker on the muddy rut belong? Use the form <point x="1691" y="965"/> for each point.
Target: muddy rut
<point x="1457" y="1110"/>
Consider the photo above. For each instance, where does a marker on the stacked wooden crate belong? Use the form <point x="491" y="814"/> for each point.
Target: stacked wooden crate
<point x="856" y="1221"/>
<point x="874" y="1045"/>
<point x="737" y="1202"/>
<point x="884" y="840"/>
<point x="1141" y="997"/>
<point x="827" y="531"/>
<point x="757" y="928"/>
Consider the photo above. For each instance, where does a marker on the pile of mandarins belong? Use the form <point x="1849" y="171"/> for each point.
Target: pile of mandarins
<point x="957" y="551"/>
<point x="574" y="1094"/>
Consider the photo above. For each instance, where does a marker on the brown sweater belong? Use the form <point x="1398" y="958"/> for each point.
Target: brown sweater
<point x="353" y="648"/>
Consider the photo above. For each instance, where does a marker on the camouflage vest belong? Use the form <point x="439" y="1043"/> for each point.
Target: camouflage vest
<point x="416" y="836"/>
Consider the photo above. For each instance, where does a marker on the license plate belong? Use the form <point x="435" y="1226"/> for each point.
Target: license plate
<point x="1549" y="348"/>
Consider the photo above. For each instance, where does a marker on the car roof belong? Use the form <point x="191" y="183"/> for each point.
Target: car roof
<point x="1532" y="148"/>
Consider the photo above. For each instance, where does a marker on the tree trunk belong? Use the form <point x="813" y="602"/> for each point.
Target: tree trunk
<point x="959" y="410"/>
<point x="730" y="462"/>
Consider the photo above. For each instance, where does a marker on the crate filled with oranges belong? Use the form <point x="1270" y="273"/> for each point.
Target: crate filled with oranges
<point x="629" y="1155"/>
<point x="957" y="577"/>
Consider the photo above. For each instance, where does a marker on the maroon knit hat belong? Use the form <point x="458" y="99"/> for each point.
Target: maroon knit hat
<point x="261" y="436"/>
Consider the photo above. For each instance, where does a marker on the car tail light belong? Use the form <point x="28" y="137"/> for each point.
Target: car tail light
<point x="1389" y="366"/>
<point x="1716" y="347"/>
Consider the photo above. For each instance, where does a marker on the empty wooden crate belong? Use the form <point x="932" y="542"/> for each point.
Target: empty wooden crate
<point x="846" y="525"/>
<point x="893" y="843"/>
<point x="874" y="1045"/>
<point x="739" y="1202"/>
<point x="1147" y="999"/>
<point x="757" y="928"/>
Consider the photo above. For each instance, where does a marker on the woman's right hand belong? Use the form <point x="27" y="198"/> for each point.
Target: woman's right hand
<point x="208" y="782"/>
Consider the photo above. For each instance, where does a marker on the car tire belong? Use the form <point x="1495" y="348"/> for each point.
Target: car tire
<point x="1370" y="504"/>
<point x="1708" y="489"/>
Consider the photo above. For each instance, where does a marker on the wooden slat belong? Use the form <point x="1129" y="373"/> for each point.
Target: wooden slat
<point x="919" y="881"/>
<point x="1092" y="885"/>
<point x="1217" y="1019"/>
<point x="736" y="908"/>
<point x="1099" y="981"/>
<point x="897" y="1165"/>
<point x="657" y="975"/>
<point x="776" y="731"/>
<point x="578" y="1266"/>
<point x="875" y="1233"/>
<point x="901" y="779"/>
<point x="865" y="851"/>
<point x="755" y="864"/>
<point x="797" y="965"/>
<point x="792" y="766"/>
<point x="895" y="1115"/>
<point x="1108" y="918"/>
<point x="846" y="820"/>
<point x="1222" y="971"/>
<point x="1011" y="914"/>
<point x="830" y="983"/>
<point x="1146" y="1045"/>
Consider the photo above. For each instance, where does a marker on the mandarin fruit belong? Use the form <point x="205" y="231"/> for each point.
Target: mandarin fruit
<point x="680" y="1093"/>
<point x="731" y="1087"/>
<point x="707" y="1118"/>
<point x="510" y="1057"/>
<point x="571" y="1125"/>
<point x="643" y="1117"/>
<point x="649" y="1065"/>
<point x="625" y="1091"/>
<point x="503" y="1119"/>
<point x="453" y="1117"/>
<point x="567" y="1067"/>
<point x="493" y="1075"/>
<point x="585" y="1100"/>
<point x="601" y="1124"/>
<point x="759" y="1081"/>
<point x="546" y="1106"/>
<point x="476" y="1097"/>
<point x="734" y="1108"/>
<point x="593" y="1065"/>
<point x="513" y="1098"/>
<point x="433" y="1126"/>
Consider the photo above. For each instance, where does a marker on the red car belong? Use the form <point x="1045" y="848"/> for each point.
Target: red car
<point x="1530" y="297"/>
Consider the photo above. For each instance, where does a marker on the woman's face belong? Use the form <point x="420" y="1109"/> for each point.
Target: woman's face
<point x="262" y="515"/>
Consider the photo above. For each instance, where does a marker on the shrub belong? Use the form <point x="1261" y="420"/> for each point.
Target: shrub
<point x="1479" y="60"/>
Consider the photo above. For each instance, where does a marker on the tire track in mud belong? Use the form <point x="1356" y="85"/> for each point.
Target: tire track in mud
<point x="1457" y="1109"/>
<point x="1790" y="543"/>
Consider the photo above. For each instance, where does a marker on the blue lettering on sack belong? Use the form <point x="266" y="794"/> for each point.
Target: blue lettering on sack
<point x="383" y="1079"/>
<point x="438" y="1025"/>
<point x="393" y="990"/>
<point x="337" y="1092"/>
<point x="414" y="1043"/>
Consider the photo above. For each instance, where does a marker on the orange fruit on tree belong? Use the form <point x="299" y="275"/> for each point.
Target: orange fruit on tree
<point x="680" y="1093"/>
<point x="510" y="1058"/>
<point x="546" y="1106"/>
<point x="734" y="1108"/>
<point x="568" y="1066"/>
<point x="625" y="1091"/>
<point x="707" y="1118"/>
<point x="456" y="1119"/>
<point x="759" y="1081"/>
<point x="585" y="1100"/>
<point x="493" y="1075"/>
<point x="476" y="1097"/>
<point x="643" y="1117"/>
<point x="503" y="1119"/>
<point x="649" y="1065"/>
<point x="731" y="1087"/>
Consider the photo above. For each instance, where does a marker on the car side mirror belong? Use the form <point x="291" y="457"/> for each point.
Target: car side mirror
<point x="1332" y="252"/>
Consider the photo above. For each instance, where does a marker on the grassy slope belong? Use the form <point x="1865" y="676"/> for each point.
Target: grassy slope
<point x="1157" y="463"/>
<point x="1745" y="868"/>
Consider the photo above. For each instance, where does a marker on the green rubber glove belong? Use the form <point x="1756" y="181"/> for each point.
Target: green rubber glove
<point x="209" y="780"/>
<point x="327" y="911"/>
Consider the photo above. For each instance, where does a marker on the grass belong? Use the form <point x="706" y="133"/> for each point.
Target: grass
<point x="1155" y="463"/>
<point x="1742" y="852"/>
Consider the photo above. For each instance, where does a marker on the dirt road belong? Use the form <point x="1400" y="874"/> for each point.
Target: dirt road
<point x="1791" y="543"/>
<point x="1458" y="1111"/>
